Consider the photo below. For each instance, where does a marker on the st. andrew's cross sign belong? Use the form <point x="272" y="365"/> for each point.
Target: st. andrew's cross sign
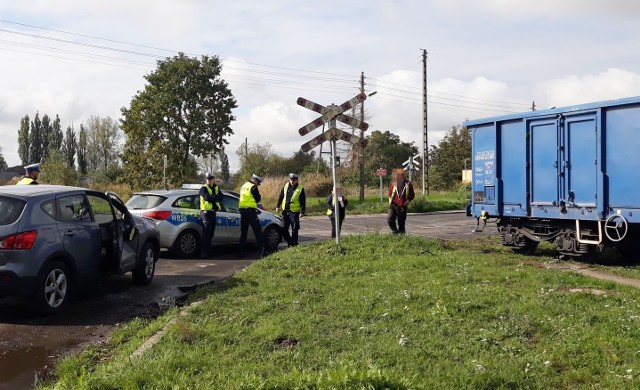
<point x="334" y="133"/>
<point x="329" y="113"/>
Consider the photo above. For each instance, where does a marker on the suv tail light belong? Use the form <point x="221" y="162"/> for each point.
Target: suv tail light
<point x="19" y="241"/>
<point x="157" y="215"/>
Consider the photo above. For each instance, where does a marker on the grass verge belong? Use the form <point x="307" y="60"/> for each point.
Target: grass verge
<point x="384" y="312"/>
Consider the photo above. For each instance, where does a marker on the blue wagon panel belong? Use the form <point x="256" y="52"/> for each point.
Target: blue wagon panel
<point x="570" y="174"/>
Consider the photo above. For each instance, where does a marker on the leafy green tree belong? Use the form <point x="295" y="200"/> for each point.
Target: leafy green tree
<point x="56" y="136"/>
<point x="23" y="140"/>
<point x="35" y="140"/>
<point x="82" y="151"/>
<point x="255" y="160"/>
<point x="55" y="170"/>
<point x="45" y="135"/>
<point x="446" y="161"/>
<point x="299" y="161"/>
<point x="185" y="111"/>
<point x="3" y="163"/>
<point x="103" y="140"/>
<point x="384" y="150"/>
<point x="69" y="146"/>
<point x="224" y="166"/>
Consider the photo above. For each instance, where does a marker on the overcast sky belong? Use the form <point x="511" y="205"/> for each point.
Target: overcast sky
<point x="485" y="58"/>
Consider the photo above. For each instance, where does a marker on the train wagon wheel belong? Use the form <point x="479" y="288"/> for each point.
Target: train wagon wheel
<point x="528" y="248"/>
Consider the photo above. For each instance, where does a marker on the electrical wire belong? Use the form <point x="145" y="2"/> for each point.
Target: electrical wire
<point x="337" y="81"/>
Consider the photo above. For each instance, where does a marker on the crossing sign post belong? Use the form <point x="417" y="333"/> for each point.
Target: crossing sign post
<point x="411" y="164"/>
<point x="330" y="114"/>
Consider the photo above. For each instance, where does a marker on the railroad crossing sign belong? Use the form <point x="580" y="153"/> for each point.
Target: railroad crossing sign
<point x="332" y="112"/>
<point x="336" y="134"/>
<point x="411" y="164"/>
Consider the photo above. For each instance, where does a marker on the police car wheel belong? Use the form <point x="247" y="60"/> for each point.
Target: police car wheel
<point x="272" y="237"/>
<point x="187" y="244"/>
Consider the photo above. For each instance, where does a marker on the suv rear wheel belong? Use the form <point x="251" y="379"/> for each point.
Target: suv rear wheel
<point x="53" y="289"/>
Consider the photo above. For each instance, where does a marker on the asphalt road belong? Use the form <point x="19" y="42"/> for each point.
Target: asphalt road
<point x="29" y="345"/>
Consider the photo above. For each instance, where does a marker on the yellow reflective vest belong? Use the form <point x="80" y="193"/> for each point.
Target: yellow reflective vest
<point x="25" y="180"/>
<point x="247" y="201"/>
<point x="205" y="205"/>
<point x="294" y="205"/>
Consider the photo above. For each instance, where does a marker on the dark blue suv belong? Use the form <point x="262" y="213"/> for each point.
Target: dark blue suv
<point x="52" y="237"/>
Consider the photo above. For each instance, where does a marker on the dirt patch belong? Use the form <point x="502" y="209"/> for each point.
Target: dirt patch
<point x="583" y="270"/>
<point x="592" y="291"/>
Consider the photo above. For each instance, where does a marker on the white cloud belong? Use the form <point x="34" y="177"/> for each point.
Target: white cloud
<point x="485" y="59"/>
<point x="610" y="84"/>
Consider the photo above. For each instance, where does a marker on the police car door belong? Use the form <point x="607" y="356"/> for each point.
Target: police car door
<point x="229" y="219"/>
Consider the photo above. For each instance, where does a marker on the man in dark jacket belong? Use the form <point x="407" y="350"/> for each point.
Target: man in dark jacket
<point x="400" y="195"/>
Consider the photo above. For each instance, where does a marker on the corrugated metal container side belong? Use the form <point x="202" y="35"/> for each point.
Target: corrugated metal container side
<point x="571" y="173"/>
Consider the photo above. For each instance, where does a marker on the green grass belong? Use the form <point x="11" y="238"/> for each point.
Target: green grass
<point x="383" y="311"/>
<point x="372" y="205"/>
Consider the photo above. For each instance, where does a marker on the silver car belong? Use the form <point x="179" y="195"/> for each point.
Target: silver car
<point x="52" y="237"/>
<point x="177" y="214"/>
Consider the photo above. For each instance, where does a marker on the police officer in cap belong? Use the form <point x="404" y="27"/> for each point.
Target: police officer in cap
<point x="210" y="198"/>
<point x="248" y="205"/>
<point x="31" y="177"/>
<point x="293" y="202"/>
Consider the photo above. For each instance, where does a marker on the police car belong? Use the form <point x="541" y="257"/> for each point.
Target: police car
<point x="177" y="214"/>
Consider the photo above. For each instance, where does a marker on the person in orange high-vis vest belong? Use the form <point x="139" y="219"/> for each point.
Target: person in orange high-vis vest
<point x="400" y="195"/>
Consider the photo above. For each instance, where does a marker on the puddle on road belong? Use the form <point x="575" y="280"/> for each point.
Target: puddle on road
<point x="18" y="367"/>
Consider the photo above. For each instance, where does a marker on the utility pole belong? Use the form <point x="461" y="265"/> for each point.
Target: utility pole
<point x="361" y="137"/>
<point x="533" y="105"/>
<point x="425" y="142"/>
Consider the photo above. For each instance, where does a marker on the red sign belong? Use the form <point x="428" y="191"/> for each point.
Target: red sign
<point x="381" y="172"/>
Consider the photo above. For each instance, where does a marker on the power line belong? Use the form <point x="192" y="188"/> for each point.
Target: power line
<point x="239" y="78"/>
<point x="447" y="93"/>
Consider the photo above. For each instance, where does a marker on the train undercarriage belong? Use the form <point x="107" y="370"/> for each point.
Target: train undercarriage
<point x="574" y="239"/>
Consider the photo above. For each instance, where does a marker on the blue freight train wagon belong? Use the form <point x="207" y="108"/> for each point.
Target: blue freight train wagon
<point x="566" y="175"/>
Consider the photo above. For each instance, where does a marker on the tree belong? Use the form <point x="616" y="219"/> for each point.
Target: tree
<point x="56" y="136"/>
<point x="255" y="160"/>
<point x="23" y="140"/>
<point x="45" y="135"/>
<point x="299" y="161"/>
<point x="185" y="111"/>
<point x="103" y="139"/>
<point x="56" y="171"/>
<point x="69" y="146"/>
<point x="3" y="163"/>
<point x="82" y="151"/>
<point x="224" y="166"/>
<point x="35" y="140"/>
<point x="384" y="150"/>
<point x="446" y="161"/>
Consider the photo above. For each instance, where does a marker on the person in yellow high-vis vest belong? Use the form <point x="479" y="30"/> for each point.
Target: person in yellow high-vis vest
<point x="248" y="205"/>
<point x="31" y="176"/>
<point x="293" y="203"/>
<point x="400" y="195"/>
<point x="210" y="198"/>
